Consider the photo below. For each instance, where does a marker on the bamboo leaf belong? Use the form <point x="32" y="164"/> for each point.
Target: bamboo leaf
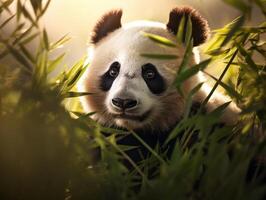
<point x="45" y="40"/>
<point x="235" y="27"/>
<point x="6" y="21"/>
<point x="29" y="39"/>
<point x="160" y="40"/>
<point x="76" y="94"/>
<point x="27" y="15"/>
<point x="36" y="5"/>
<point x="188" y="35"/>
<point x="5" y="5"/>
<point x="20" y="58"/>
<point x="159" y="56"/>
<point x="187" y="73"/>
<point x="229" y="89"/>
<point x="60" y="42"/>
<point x="190" y="98"/>
<point x="247" y="57"/>
<point x="54" y="63"/>
<point x="19" y="9"/>
<point x="186" y="57"/>
<point x="26" y="53"/>
<point x="181" y="29"/>
<point x="147" y="146"/>
<point x="43" y="10"/>
<point x="24" y="34"/>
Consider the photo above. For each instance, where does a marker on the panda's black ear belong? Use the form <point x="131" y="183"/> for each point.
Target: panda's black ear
<point x="108" y="23"/>
<point x="200" y="27"/>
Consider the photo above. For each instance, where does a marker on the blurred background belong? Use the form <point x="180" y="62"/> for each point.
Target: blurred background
<point x="77" y="17"/>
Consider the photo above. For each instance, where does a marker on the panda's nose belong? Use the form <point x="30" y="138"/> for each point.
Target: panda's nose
<point x="124" y="103"/>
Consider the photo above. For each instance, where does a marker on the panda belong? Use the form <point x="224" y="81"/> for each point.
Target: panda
<point x="136" y="93"/>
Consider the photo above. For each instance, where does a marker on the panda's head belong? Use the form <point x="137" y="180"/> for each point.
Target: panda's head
<point x="130" y="90"/>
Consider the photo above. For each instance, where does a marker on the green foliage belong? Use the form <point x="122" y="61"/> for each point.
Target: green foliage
<point x="46" y="151"/>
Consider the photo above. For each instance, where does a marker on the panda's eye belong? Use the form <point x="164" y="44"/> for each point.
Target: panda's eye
<point x="153" y="78"/>
<point x="149" y="74"/>
<point x="114" y="69"/>
<point x="113" y="72"/>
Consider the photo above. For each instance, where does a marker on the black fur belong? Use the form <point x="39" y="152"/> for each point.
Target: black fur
<point x="155" y="84"/>
<point x="106" y="79"/>
<point x="108" y="23"/>
<point x="200" y="27"/>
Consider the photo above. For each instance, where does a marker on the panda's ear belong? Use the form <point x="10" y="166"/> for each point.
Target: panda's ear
<point x="200" y="27"/>
<point x="108" y="23"/>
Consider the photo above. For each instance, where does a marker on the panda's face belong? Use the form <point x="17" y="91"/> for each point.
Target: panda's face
<point x="131" y="90"/>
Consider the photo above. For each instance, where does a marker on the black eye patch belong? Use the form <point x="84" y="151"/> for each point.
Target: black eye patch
<point x="153" y="79"/>
<point x="108" y="77"/>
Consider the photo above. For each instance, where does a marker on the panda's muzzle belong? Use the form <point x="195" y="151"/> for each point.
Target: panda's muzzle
<point x="123" y="104"/>
<point x="139" y="118"/>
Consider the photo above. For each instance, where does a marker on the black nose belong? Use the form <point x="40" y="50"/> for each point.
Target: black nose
<point x="124" y="103"/>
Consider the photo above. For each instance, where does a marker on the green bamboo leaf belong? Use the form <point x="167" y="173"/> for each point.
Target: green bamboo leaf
<point x="180" y="32"/>
<point x="217" y="112"/>
<point x="76" y="94"/>
<point x="43" y="10"/>
<point x="247" y="57"/>
<point x="206" y="100"/>
<point x="189" y="99"/>
<point x="186" y="57"/>
<point x="27" y="15"/>
<point x="147" y="146"/>
<point x="74" y="78"/>
<point x="229" y="89"/>
<point x="160" y="40"/>
<point x="80" y="114"/>
<point x="40" y="71"/>
<point x="45" y="40"/>
<point x="235" y="27"/>
<point x="19" y="10"/>
<point x="18" y="28"/>
<point x="24" y="34"/>
<point x="36" y="5"/>
<point x="188" y="35"/>
<point x="20" y="58"/>
<point x="26" y="53"/>
<point x="54" y="63"/>
<point x="60" y="42"/>
<point x="127" y="147"/>
<point x="5" y="6"/>
<point x="187" y="73"/>
<point x="30" y="38"/>
<point x="159" y="56"/>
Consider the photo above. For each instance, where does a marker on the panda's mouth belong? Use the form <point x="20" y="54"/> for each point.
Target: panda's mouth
<point x="139" y="118"/>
